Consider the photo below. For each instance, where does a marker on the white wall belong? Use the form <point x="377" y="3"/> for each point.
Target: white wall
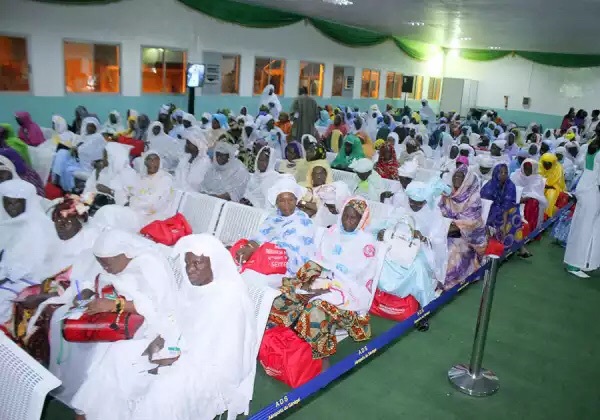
<point x="552" y="89"/>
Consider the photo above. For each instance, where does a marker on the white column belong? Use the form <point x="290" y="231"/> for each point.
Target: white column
<point x="292" y="78"/>
<point x="328" y="80"/>
<point x="246" y="74"/>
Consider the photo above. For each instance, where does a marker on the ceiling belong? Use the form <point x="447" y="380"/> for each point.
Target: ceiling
<point x="528" y="25"/>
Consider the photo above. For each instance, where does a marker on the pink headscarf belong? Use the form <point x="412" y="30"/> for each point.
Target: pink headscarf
<point x="463" y="159"/>
<point x="29" y="132"/>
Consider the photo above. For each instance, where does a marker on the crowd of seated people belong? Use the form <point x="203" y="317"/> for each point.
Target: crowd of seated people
<point x="457" y="183"/>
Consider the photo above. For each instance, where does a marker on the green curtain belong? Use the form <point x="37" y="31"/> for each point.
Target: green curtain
<point x="348" y="35"/>
<point x="483" y="55"/>
<point x="561" y="60"/>
<point x="415" y="49"/>
<point x="78" y="2"/>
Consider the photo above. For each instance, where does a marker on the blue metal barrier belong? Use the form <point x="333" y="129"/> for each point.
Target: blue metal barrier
<point x="297" y="395"/>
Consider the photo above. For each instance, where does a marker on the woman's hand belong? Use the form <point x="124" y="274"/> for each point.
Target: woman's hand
<point x="380" y="235"/>
<point x="104" y="189"/>
<point x="453" y="229"/>
<point x="245" y="253"/>
<point x="308" y="208"/>
<point x="245" y="202"/>
<point x="418" y="235"/>
<point x="154" y="347"/>
<point x="85" y="295"/>
<point x="100" y="305"/>
<point x="386" y="194"/>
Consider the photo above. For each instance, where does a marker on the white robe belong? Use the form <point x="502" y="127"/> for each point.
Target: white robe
<point x="169" y="149"/>
<point x="583" y="245"/>
<point x="152" y="197"/>
<point x="260" y="182"/>
<point x="189" y="176"/>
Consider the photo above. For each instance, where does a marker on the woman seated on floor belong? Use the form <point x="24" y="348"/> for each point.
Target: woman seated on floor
<point x="115" y="179"/>
<point x="533" y="192"/>
<point x="146" y="286"/>
<point x="552" y="171"/>
<point x="21" y="170"/>
<point x="67" y="263"/>
<point x="428" y="269"/>
<point x="194" y="164"/>
<point x="288" y="228"/>
<point x="467" y="239"/>
<point x="26" y="240"/>
<point x="351" y="151"/>
<point x="81" y="158"/>
<point x="227" y="177"/>
<point x="333" y="290"/>
<point x="222" y="378"/>
<point x="153" y="194"/>
<point x="505" y="216"/>
<point x="263" y="178"/>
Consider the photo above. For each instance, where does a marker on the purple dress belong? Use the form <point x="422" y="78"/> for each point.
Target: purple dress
<point x="24" y="171"/>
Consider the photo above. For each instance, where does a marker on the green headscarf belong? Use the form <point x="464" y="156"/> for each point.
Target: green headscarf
<point x="342" y="160"/>
<point x="15" y="143"/>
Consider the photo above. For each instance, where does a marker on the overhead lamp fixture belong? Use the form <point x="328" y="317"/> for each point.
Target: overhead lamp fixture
<point x="340" y="2"/>
<point x="465" y="38"/>
<point x="414" y="23"/>
<point x="494" y="48"/>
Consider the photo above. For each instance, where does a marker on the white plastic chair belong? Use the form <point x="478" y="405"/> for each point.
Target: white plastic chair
<point x="424" y="175"/>
<point x="391" y="185"/>
<point x="486" y="207"/>
<point x="379" y="211"/>
<point x="24" y="383"/>
<point x="201" y="211"/>
<point x="47" y="132"/>
<point x="238" y="222"/>
<point x="350" y="178"/>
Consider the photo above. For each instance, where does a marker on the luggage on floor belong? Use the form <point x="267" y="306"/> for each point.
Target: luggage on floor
<point x="392" y="307"/>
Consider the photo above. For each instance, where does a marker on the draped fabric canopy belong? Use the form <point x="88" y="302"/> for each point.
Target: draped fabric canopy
<point x="254" y="16"/>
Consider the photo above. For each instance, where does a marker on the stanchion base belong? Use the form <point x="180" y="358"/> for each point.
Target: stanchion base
<point x="486" y="383"/>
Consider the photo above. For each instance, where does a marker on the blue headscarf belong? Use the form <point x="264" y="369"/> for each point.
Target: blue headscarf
<point x="222" y="120"/>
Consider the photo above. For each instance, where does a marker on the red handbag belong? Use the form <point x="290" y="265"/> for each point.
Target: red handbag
<point x="494" y="247"/>
<point x="267" y="259"/>
<point x="105" y="326"/>
<point x="388" y="306"/>
<point x="137" y="145"/>
<point x="169" y="231"/>
<point x="562" y="200"/>
<point x="288" y="358"/>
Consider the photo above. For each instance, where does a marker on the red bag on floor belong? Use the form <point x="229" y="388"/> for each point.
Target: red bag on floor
<point x="137" y="145"/>
<point x="494" y="247"/>
<point x="105" y="326"/>
<point x="386" y="305"/>
<point x="52" y="191"/>
<point x="288" y="358"/>
<point x="169" y="231"/>
<point x="267" y="259"/>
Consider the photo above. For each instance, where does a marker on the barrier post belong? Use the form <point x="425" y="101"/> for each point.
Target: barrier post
<point x="473" y="379"/>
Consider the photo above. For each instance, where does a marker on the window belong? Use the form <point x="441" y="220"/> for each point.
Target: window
<point x="163" y="70"/>
<point x="370" y="84"/>
<point x="311" y="77"/>
<point x="269" y="71"/>
<point x="230" y="74"/>
<point x="417" y="92"/>
<point x="435" y="88"/>
<point x="14" y="66"/>
<point x="393" y="85"/>
<point x="338" y="81"/>
<point x="91" y="68"/>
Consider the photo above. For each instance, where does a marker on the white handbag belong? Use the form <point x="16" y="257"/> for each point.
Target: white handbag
<point x="403" y="246"/>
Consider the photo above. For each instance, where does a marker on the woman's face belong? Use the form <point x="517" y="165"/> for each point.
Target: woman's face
<point x="152" y="163"/>
<point x="191" y="148"/>
<point x="215" y="124"/>
<point x="348" y="148"/>
<point x="319" y="176"/>
<point x="286" y="203"/>
<point x="547" y="165"/>
<point x="248" y="130"/>
<point x="14" y="206"/>
<point x="411" y="148"/>
<point x="337" y="120"/>
<point x="156" y="130"/>
<point x="187" y="124"/>
<point x="222" y="158"/>
<point x="67" y="227"/>
<point x="528" y="169"/>
<point x="404" y="181"/>
<point x="90" y="129"/>
<point x="533" y="149"/>
<point x="544" y="148"/>
<point x="464" y="153"/>
<point x="573" y="151"/>
<point x="114" y="265"/>
<point x="502" y="174"/>
<point x="112" y="118"/>
<point x="560" y="156"/>
<point x="243" y="111"/>
<point x="350" y="219"/>
<point x="386" y="153"/>
<point x="495" y="150"/>
<point x="484" y="170"/>
<point x="457" y="179"/>
<point x="5" y="175"/>
<point x="311" y="152"/>
<point x="416" y="205"/>
<point x="262" y="161"/>
<point x="291" y="152"/>
<point x="453" y="152"/>
<point x="198" y="269"/>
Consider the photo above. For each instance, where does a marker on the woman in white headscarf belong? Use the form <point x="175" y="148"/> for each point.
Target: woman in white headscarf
<point x="263" y="178"/>
<point x="145" y="282"/>
<point x="63" y="138"/>
<point x="271" y="101"/>
<point x="117" y="179"/>
<point x="194" y="164"/>
<point x="413" y="152"/>
<point x="153" y="194"/>
<point x="27" y="238"/>
<point x="427" y="114"/>
<point x="89" y="148"/>
<point x="288" y="227"/>
<point x="369" y="183"/>
<point x="223" y="372"/>
<point x="113" y="125"/>
<point x="219" y="127"/>
<point x="177" y="120"/>
<point x="421" y="277"/>
<point x="227" y="177"/>
<point x="533" y="196"/>
<point x="169" y="149"/>
<point x="7" y="170"/>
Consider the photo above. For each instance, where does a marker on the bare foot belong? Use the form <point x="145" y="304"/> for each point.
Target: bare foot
<point x="326" y="364"/>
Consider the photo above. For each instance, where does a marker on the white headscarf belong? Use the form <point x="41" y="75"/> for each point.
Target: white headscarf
<point x="362" y="166"/>
<point x="230" y="178"/>
<point x="533" y="185"/>
<point x="260" y="182"/>
<point x="115" y="128"/>
<point x="409" y="169"/>
<point x="189" y="175"/>
<point x="265" y="99"/>
<point x="90" y="146"/>
<point x="7" y="165"/>
<point x="169" y="149"/>
<point x="287" y="184"/>
<point x="62" y="134"/>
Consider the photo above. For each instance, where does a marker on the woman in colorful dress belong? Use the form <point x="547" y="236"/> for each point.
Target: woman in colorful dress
<point x="351" y="151"/>
<point x="550" y="169"/>
<point x="288" y="228"/>
<point x="334" y="289"/>
<point x="262" y="179"/>
<point x="29" y="132"/>
<point x="533" y="192"/>
<point x="194" y="164"/>
<point x="467" y="239"/>
<point x="387" y="164"/>
<point x="8" y="139"/>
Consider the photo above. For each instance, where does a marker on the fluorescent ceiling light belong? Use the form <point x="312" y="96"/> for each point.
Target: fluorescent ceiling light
<point x="494" y="48"/>
<point x="340" y="2"/>
<point x="414" y="23"/>
<point x="465" y="38"/>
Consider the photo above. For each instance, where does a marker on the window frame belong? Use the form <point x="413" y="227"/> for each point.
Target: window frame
<point x="395" y="73"/>
<point x="142" y="46"/>
<point x="343" y="67"/>
<point x="239" y="72"/>
<point x="271" y="59"/>
<point x="87" y="41"/>
<point x="379" y="71"/>
<point x="413" y="95"/>
<point x="439" y="91"/>
<point x="27" y="38"/>
<point x="321" y="81"/>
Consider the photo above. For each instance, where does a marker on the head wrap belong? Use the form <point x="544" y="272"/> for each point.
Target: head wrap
<point x="421" y="191"/>
<point x="362" y="166"/>
<point x="287" y="184"/>
<point x="222" y="120"/>
<point x="362" y="207"/>
<point x="409" y="169"/>
<point x="485" y="162"/>
<point x="463" y="159"/>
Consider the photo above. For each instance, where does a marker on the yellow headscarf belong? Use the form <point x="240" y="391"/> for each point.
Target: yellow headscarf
<point x="554" y="176"/>
<point x="311" y="165"/>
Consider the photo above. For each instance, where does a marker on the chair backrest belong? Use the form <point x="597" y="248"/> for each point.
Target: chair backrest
<point x="425" y="175"/>
<point x="24" y="383"/>
<point x="201" y="211"/>
<point x="485" y="211"/>
<point x="331" y="156"/>
<point x="391" y="185"/>
<point x="238" y="222"/>
<point x="350" y="178"/>
<point x="379" y="211"/>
